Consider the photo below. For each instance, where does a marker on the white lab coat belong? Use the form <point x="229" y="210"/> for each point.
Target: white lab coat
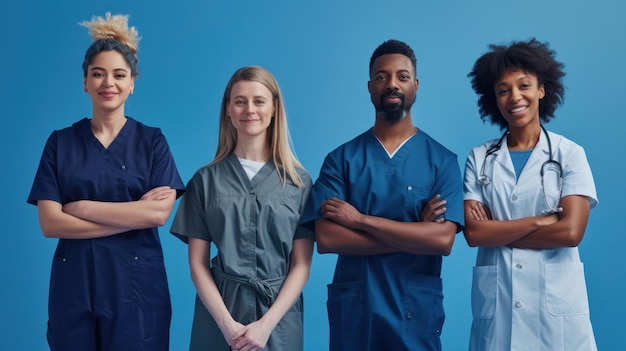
<point x="526" y="299"/>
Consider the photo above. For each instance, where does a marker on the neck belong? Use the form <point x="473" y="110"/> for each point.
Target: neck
<point x="393" y="130"/>
<point x="393" y="134"/>
<point x="107" y="120"/>
<point x="256" y="149"/>
<point x="523" y="138"/>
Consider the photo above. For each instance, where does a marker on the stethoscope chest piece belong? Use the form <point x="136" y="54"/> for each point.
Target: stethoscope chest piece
<point x="483" y="179"/>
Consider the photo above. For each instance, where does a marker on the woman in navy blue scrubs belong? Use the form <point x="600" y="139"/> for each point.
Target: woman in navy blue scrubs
<point x="103" y="186"/>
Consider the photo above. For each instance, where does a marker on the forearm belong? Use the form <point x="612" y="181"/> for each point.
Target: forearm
<point x="417" y="238"/>
<point x="494" y="233"/>
<point x="568" y="231"/>
<point x="552" y="237"/>
<point x="57" y="224"/>
<point x="205" y="286"/>
<point x="132" y="214"/>
<point x="482" y="230"/>
<point x="332" y="237"/>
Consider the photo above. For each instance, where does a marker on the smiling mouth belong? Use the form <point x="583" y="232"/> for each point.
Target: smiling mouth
<point x="518" y="109"/>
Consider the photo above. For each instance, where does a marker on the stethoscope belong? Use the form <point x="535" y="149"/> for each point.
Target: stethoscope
<point x="550" y="164"/>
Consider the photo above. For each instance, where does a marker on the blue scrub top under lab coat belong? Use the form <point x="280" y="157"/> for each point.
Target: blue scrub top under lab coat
<point x="390" y="301"/>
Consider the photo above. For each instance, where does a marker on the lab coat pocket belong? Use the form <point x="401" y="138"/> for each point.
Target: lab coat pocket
<point x="424" y="305"/>
<point x="345" y="312"/>
<point x="484" y="289"/>
<point x="566" y="291"/>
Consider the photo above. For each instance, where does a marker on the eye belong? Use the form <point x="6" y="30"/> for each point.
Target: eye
<point x="239" y="102"/>
<point x="259" y="101"/>
<point x="97" y="75"/>
<point x="501" y="92"/>
<point x="405" y="77"/>
<point x="120" y="76"/>
<point x="525" y="86"/>
<point x="379" y="77"/>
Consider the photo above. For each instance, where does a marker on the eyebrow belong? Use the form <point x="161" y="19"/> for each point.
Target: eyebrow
<point x="245" y="97"/>
<point x="516" y="81"/>
<point x="403" y="70"/>
<point x="114" y="70"/>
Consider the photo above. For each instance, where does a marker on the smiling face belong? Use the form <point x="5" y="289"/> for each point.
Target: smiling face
<point x="517" y="95"/>
<point x="393" y="86"/>
<point x="251" y="109"/>
<point x="108" y="81"/>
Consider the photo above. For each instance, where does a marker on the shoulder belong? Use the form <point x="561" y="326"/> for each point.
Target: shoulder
<point x="482" y="148"/>
<point x="431" y="145"/>
<point x="304" y="176"/>
<point x="140" y="127"/>
<point x="303" y="173"/>
<point x="68" y="135"/>
<point x="357" y="143"/>
<point x="561" y="142"/>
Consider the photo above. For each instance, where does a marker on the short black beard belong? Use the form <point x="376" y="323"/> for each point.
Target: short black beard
<point x="392" y="113"/>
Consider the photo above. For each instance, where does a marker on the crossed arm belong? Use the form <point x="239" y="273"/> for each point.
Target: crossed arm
<point x="86" y="219"/>
<point x="255" y="335"/>
<point x="565" y="229"/>
<point x="344" y="230"/>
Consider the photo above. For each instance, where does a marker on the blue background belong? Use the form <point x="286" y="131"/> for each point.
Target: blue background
<point x="319" y="51"/>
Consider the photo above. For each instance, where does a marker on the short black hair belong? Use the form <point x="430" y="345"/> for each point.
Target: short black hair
<point x="393" y="46"/>
<point x="101" y="45"/>
<point x="531" y="56"/>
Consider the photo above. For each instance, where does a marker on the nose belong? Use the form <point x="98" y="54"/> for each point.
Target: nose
<point x="107" y="81"/>
<point x="250" y="108"/>
<point x="392" y="83"/>
<point x="516" y="94"/>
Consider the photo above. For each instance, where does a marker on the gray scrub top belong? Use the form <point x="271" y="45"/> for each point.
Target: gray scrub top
<point x="253" y="223"/>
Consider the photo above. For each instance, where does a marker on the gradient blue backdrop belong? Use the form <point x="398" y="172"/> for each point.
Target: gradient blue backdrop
<point x="319" y="52"/>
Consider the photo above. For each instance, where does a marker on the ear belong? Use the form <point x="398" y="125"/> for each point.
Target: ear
<point x="369" y="86"/>
<point x="417" y="84"/>
<point x="542" y="92"/>
<point x="132" y="85"/>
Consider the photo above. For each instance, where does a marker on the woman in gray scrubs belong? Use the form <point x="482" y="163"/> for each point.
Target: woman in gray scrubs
<point x="247" y="203"/>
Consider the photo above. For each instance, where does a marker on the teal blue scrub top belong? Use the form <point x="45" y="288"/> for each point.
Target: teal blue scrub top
<point x="391" y="301"/>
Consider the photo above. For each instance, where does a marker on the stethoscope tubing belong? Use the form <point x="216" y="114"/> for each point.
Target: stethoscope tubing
<point x="484" y="179"/>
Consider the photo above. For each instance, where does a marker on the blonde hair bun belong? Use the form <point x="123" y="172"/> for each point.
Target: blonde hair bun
<point x="113" y="27"/>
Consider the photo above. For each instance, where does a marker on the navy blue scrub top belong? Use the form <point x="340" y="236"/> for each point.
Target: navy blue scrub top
<point x="76" y="166"/>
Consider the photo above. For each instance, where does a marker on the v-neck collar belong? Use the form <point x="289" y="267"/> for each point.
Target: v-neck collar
<point x="258" y="178"/>
<point x="119" y="140"/>
<point x="399" y="153"/>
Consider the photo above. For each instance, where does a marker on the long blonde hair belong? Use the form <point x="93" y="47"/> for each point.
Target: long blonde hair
<point x="277" y="134"/>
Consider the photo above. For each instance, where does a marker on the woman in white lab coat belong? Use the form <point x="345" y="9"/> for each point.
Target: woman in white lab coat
<point x="528" y="195"/>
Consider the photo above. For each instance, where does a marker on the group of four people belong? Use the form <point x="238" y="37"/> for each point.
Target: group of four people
<point x="389" y="202"/>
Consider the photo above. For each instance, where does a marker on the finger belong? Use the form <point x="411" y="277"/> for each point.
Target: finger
<point x="477" y="208"/>
<point x="434" y="199"/>
<point x="475" y="214"/>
